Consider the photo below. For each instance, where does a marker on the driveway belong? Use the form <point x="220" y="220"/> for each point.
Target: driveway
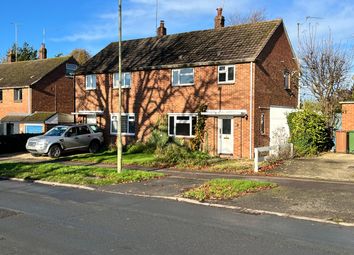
<point x="329" y="166"/>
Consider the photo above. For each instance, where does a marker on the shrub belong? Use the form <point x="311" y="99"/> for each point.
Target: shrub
<point x="159" y="136"/>
<point x="137" y="147"/>
<point x="309" y="132"/>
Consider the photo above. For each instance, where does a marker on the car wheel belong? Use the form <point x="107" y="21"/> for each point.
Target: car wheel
<point x="94" y="146"/>
<point x="54" y="151"/>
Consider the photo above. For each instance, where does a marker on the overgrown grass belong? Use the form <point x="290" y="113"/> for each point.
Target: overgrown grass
<point x="82" y="175"/>
<point x="222" y="189"/>
<point x="110" y="157"/>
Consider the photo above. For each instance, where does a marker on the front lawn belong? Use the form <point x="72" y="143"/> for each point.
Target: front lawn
<point x="82" y="175"/>
<point x="110" y="157"/>
<point x="222" y="189"/>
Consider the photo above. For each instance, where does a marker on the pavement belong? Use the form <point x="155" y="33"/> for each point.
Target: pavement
<point x="39" y="219"/>
<point x="316" y="199"/>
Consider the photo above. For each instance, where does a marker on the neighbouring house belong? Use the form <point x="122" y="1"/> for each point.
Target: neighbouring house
<point x="345" y="136"/>
<point x="43" y="85"/>
<point x="246" y="75"/>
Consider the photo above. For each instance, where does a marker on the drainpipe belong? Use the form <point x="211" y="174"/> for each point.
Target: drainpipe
<point x="251" y="107"/>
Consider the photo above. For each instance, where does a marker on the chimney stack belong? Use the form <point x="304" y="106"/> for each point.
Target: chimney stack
<point x="11" y="56"/>
<point x="43" y="52"/>
<point x="161" y="30"/>
<point x="219" y="19"/>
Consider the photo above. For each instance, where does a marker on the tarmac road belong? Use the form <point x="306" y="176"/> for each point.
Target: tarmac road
<point x="39" y="219"/>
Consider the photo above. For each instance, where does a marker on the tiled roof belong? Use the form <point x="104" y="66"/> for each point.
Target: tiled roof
<point x="38" y="117"/>
<point x="233" y="44"/>
<point x="26" y="73"/>
<point x="13" y="118"/>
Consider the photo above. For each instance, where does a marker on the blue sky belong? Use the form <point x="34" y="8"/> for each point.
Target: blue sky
<point x="92" y="24"/>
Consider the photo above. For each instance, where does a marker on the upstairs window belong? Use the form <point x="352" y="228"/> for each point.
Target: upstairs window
<point x="126" y="79"/>
<point x="18" y="95"/>
<point x="0" y="95"/>
<point x="70" y="70"/>
<point x="183" y="77"/>
<point x="90" y="81"/>
<point x="128" y="123"/>
<point x="287" y="80"/>
<point x="226" y="74"/>
<point x="182" y="125"/>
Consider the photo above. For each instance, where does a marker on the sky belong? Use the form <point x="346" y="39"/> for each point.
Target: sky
<point x="93" y="24"/>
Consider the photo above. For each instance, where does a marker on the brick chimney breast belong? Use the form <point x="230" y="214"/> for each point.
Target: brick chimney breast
<point x="11" y="56"/>
<point x="43" y="52"/>
<point x="219" y="19"/>
<point x="161" y="30"/>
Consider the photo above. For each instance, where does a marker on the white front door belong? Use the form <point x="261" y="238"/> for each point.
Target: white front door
<point x="226" y="135"/>
<point x="91" y="119"/>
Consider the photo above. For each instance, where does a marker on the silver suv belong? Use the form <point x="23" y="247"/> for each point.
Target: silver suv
<point x="65" y="138"/>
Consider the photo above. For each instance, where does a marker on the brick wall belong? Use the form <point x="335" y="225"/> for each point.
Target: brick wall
<point x="269" y="82"/>
<point x="55" y="92"/>
<point x="348" y="116"/>
<point x="9" y="106"/>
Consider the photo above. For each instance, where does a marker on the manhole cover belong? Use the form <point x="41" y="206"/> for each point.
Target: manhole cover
<point x="4" y="213"/>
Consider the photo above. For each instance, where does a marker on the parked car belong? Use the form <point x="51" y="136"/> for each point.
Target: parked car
<point x="66" y="138"/>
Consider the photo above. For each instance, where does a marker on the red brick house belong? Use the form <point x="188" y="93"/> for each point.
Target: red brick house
<point x="245" y="74"/>
<point x="27" y="87"/>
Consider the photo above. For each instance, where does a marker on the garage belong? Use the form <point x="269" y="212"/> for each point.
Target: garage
<point x="279" y="128"/>
<point x="33" y="128"/>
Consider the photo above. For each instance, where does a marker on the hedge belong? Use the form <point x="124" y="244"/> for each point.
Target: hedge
<point x="14" y="143"/>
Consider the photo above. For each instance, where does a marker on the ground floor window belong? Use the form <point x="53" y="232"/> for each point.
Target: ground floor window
<point x="262" y="124"/>
<point x="182" y="124"/>
<point x="128" y="123"/>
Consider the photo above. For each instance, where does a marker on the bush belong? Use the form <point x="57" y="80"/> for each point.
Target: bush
<point x="159" y="136"/>
<point x="309" y="132"/>
<point x="174" y="153"/>
<point x="14" y="143"/>
<point x="137" y="147"/>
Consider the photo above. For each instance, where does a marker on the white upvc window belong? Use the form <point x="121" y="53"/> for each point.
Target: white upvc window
<point x="287" y="80"/>
<point x="91" y="81"/>
<point x="126" y="80"/>
<point x="128" y="123"/>
<point x="182" y="124"/>
<point x="226" y="74"/>
<point x="262" y="124"/>
<point x="183" y="77"/>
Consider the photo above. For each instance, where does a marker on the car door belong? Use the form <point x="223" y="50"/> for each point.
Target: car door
<point x="71" y="139"/>
<point x="85" y="136"/>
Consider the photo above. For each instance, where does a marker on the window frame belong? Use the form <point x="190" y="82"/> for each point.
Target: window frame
<point x="16" y="100"/>
<point x="262" y="124"/>
<point x="124" y="86"/>
<point x="179" y="79"/>
<point x="227" y="74"/>
<point x="175" y="121"/>
<point x="287" y="80"/>
<point x="129" y="115"/>
<point x="1" y="95"/>
<point x="94" y="83"/>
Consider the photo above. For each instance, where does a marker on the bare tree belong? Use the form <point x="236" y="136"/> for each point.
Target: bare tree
<point x="253" y="17"/>
<point x="326" y="70"/>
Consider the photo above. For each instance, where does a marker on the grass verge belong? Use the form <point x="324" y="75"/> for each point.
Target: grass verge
<point x="81" y="175"/>
<point x="110" y="157"/>
<point x="222" y="189"/>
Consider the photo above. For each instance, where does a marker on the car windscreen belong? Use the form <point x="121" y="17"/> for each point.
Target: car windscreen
<point x="96" y="129"/>
<point x="56" y="131"/>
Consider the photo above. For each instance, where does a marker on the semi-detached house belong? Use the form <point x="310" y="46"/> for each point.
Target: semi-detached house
<point x="37" y="94"/>
<point x="246" y="75"/>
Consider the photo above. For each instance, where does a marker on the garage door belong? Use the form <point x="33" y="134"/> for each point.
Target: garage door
<point x="279" y="128"/>
<point x="33" y="129"/>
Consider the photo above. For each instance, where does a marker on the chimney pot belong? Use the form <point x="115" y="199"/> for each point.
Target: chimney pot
<point x="161" y="30"/>
<point x="42" y="52"/>
<point x="219" y="19"/>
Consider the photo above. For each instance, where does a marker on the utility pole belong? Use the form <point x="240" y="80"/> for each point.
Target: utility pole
<point x="119" y="128"/>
